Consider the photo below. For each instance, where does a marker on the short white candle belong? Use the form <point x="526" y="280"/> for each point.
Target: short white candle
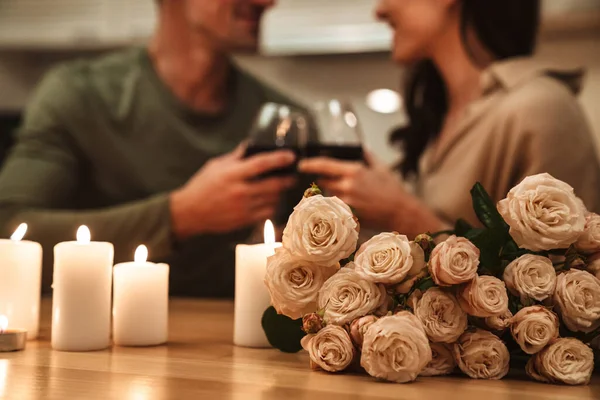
<point x="20" y="282"/>
<point x="82" y="294"/>
<point x="251" y="295"/>
<point x="141" y="302"/>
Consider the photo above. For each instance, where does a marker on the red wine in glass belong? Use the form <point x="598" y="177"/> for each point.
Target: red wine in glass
<point x="255" y="149"/>
<point x="338" y="132"/>
<point x="278" y="127"/>
<point x="342" y="152"/>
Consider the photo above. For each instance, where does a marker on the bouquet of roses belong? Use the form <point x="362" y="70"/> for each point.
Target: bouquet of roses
<point x="520" y="287"/>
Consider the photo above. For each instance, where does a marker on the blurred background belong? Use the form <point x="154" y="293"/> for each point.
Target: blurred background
<point x="311" y="49"/>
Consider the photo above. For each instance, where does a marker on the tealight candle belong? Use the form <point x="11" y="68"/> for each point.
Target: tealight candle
<point x="11" y="339"/>
<point x="20" y="282"/>
<point x="82" y="294"/>
<point x="251" y="295"/>
<point x="141" y="301"/>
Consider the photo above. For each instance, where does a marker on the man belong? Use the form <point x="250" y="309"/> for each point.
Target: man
<point x="143" y="146"/>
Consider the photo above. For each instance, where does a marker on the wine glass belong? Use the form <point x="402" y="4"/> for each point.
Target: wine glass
<point x="277" y="127"/>
<point x="337" y="134"/>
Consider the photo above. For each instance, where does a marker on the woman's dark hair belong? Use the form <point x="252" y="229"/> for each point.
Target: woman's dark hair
<point x="506" y="28"/>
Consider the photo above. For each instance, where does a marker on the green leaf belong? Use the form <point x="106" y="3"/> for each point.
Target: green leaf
<point x="473" y="233"/>
<point x="462" y="227"/>
<point x="511" y="248"/>
<point x="425" y="283"/>
<point x="282" y="332"/>
<point x="348" y="260"/>
<point x="485" y="209"/>
<point x="490" y="243"/>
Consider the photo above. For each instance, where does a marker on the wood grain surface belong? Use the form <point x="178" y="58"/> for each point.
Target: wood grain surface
<point x="200" y="362"/>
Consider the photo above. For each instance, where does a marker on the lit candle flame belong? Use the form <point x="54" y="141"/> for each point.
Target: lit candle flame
<point x="3" y="323"/>
<point x="269" y="233"/>
<point x="19" y="233"/>
<point x="83" y="235"/>
<point x="141" y="254"/>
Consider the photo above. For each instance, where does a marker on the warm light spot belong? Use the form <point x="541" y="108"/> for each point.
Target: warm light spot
<point x="3" y="323"/>
<point x="335" y="108"/>
<point x="141" y="254"/>
<point x="350" y="119"/>
<point x="141" y="389"/>
<point x="19" y="233"/>
<point x="384" y="101"/>
<point x="83" y="235"/>
<point x="284" y="112"/>
<point x="269" y="233"/>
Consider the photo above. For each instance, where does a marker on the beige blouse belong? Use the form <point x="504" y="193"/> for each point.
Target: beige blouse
<point x="527" y="121"/>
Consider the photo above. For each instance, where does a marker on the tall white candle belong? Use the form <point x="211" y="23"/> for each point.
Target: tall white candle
<point x="82" y="294"/>
<point x="141" y="302"/>
<point x="251" y="295"/>
<point x="20" y="282"/>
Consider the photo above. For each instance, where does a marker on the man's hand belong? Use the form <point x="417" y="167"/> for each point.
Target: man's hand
<point x="222" y="196"/>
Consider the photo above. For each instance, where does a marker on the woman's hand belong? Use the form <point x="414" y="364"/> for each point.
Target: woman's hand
<point x="375" y="193"/>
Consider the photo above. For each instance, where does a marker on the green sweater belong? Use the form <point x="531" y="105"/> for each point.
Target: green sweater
<point x="103" y="142"/>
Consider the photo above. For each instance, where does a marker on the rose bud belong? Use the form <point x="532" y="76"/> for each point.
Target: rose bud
<point x="312" y="323"/>
<point x="425" y="241"/>
<point x="313" y="190"/>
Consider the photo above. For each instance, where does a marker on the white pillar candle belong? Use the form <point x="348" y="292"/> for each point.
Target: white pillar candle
<point x="141" y="302"/>
<point x="20" y="282"/>
<point x="82" y="294"/>
<point x="251" y="295"/>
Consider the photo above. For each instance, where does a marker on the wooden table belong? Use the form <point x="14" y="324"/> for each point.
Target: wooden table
<point x="200" y="362"/>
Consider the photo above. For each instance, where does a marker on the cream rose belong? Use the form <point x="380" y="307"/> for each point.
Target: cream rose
<point x="386" y="258"/>
<point x="321" y="230"/>
<point x="482" y="355"/>
<point x="577" y="298"/>
<point x="453" y="261"/>
<point x="499" y="322"/>
<point x="442" y="317"/>
<point x="533" y="328"/>
<point x="530" y="277"/>
<point x="442" y="362"/>
<point x="294" y="284"/>
<point x="331" y="348"/>
<point x="543" y="213"/>
<point x="589" y="241"/>
<point x="395" y="348"/>
<point x="566" y="361"/>
<point x="347" y="295"/>
<point x="485" y="296"/>
<point x="359" y="327"/>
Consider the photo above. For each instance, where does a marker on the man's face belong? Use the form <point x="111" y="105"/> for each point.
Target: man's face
<point x="228" y="24"/>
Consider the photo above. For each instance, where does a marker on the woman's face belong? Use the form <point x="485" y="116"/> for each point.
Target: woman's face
<point x="418" y="25"/>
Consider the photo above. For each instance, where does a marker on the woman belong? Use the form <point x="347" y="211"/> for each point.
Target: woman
<point x="480" y="110"/>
